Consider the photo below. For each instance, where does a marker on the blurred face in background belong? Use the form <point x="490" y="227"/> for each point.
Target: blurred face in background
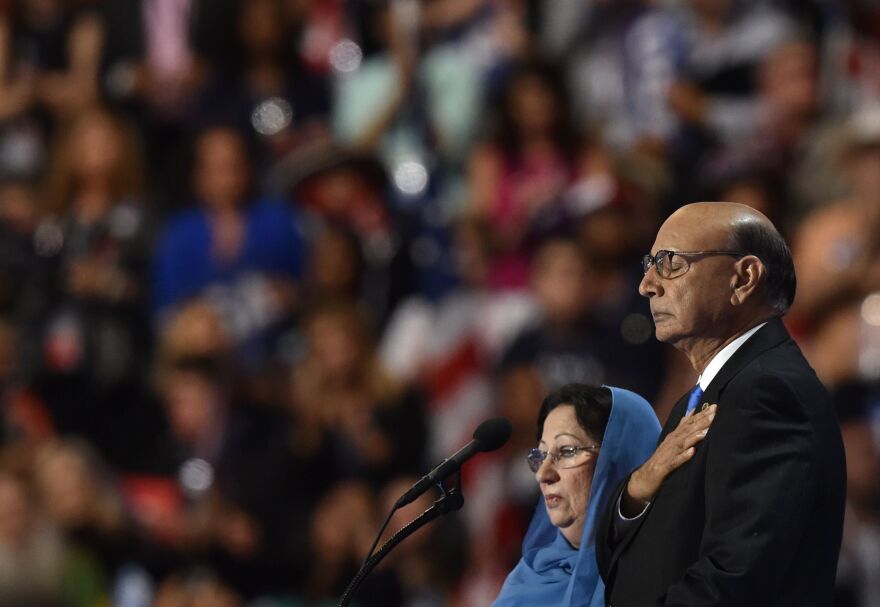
<point x="560" y="280"/>
<point x="222" y="173"/>
<point x="95" y="147"/>
<point x="67" y="486"/>
<point x="789" y="80"/>
<point x="335" y="263"/>
<point x="336" y="342"/>
<point x="195" y="330"/>
<point x="751" y="192"/>
<point x="260" y="27"/>
<point x="18" y="205"/>
<point x="192" y="403"/>
<point x="533" y="106"/>
<point x="863" y="167"/>
<point x="195" y="592"/>
<point x="472" y="255"/>
<point x="342" y="523"/>
<point x="711" y="9"/>
<point x="521" y="388"/>
<point x="605" y="235"/>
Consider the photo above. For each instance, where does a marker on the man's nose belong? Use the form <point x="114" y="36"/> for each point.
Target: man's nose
<point x="650" y="285"/>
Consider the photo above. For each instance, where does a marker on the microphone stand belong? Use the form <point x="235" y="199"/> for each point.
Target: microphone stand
<point x="450" y="501"/>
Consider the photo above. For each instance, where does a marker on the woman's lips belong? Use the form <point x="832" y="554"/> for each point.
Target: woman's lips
<point x="552" y="499"/>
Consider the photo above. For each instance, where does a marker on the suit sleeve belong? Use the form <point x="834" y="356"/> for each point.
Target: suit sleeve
<point x="608" y="536"/>
<point x="759" y="490"/>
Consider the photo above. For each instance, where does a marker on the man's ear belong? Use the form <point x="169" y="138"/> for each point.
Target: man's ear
<point x="749" y="273"/>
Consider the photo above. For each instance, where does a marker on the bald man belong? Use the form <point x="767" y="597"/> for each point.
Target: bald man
<point x="741" y="504"/>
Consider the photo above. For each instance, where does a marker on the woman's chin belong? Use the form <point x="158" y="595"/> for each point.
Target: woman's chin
<point x="558" y="519"/>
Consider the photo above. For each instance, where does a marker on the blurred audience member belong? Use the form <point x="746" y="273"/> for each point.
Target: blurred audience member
<point x="852" y="55"/>
<point x="18" y="258"/>
<point x="415" y="104"/>
<point x="82" y="500"/>
<point x="449" y="347"/>
<point x="94" y="339"/>
<point x="50" y="53"/>
<point x="726" y="40"/>
<point x="342" y="528"/>
<point x="426" y="568"/>
<point x="571" y="341"/>
<point x="346" y="403"/>
<point x="336" y="265"/>
<point x="781" y="125"/>
<point x="198" y="588"/>
<point x="522" y="173"/>
<point x="25" y="271"/>
<point x="859" y="569"/>
<point x="836" y="255"/>
<point x="37" y="569"/>
<point x="266" y="88"/>
<point x="158" y="55"/>
<point x="500" y="492"/>
<point x="242" y="252"/>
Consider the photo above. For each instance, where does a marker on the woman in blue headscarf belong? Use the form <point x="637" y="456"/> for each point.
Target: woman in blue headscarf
<point x="591" y="438"/>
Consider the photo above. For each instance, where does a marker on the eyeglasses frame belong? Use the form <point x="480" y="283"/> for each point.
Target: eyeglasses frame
<point x="654" y="261"/>
<point x="555" y="457"/>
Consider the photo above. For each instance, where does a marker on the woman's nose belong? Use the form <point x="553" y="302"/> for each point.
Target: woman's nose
<point x="547" y="472"/>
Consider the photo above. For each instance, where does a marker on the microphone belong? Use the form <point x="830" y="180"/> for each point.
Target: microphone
<point x="490" y="435"/>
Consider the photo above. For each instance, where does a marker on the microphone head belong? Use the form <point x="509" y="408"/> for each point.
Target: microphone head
<point x="493" y="433"/>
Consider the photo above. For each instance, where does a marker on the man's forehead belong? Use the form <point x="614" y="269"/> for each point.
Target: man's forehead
<point x="690" y="233"/>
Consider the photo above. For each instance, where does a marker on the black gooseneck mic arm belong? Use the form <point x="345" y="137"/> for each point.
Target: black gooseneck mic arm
<point x="450" y="501"/>
<point x="489" y="435"/>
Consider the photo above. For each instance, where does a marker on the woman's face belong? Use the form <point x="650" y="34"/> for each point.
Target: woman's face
<point x="335" y="346"/>
<point x="222" y="173"/>
<point x="533" y="105"/>
<point x="566" y="490"/>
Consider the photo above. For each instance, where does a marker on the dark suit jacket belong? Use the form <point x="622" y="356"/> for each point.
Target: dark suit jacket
<point x="755" y="518"/>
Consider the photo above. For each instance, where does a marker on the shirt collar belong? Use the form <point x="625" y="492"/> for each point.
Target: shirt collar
<point x="723" y="356"/>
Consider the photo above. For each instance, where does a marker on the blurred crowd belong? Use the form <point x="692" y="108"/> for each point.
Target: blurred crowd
<point x="265" y="262"/>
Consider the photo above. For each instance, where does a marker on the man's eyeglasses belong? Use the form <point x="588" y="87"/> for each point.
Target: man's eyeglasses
<point x="672" y="264"/>
<point x="565" y="457"/>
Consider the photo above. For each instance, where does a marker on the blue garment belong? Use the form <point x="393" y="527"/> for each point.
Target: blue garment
<point x="550" y="571"/>
<point x="184" y="266"/>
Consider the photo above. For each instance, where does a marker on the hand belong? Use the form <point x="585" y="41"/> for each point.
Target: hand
<point x="676" y="449"/>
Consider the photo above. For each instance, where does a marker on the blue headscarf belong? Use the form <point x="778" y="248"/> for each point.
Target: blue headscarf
<point x="550" y="571"/>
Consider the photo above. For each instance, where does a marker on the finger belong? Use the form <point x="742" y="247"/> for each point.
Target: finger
<point x="694" y="438"/>
<point x="701" y="423"/>
<point x="683" y="457"/>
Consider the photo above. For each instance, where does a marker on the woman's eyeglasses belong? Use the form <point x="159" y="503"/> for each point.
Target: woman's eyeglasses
<point x="672" y="264"/>
<point x="565" y="457"/>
